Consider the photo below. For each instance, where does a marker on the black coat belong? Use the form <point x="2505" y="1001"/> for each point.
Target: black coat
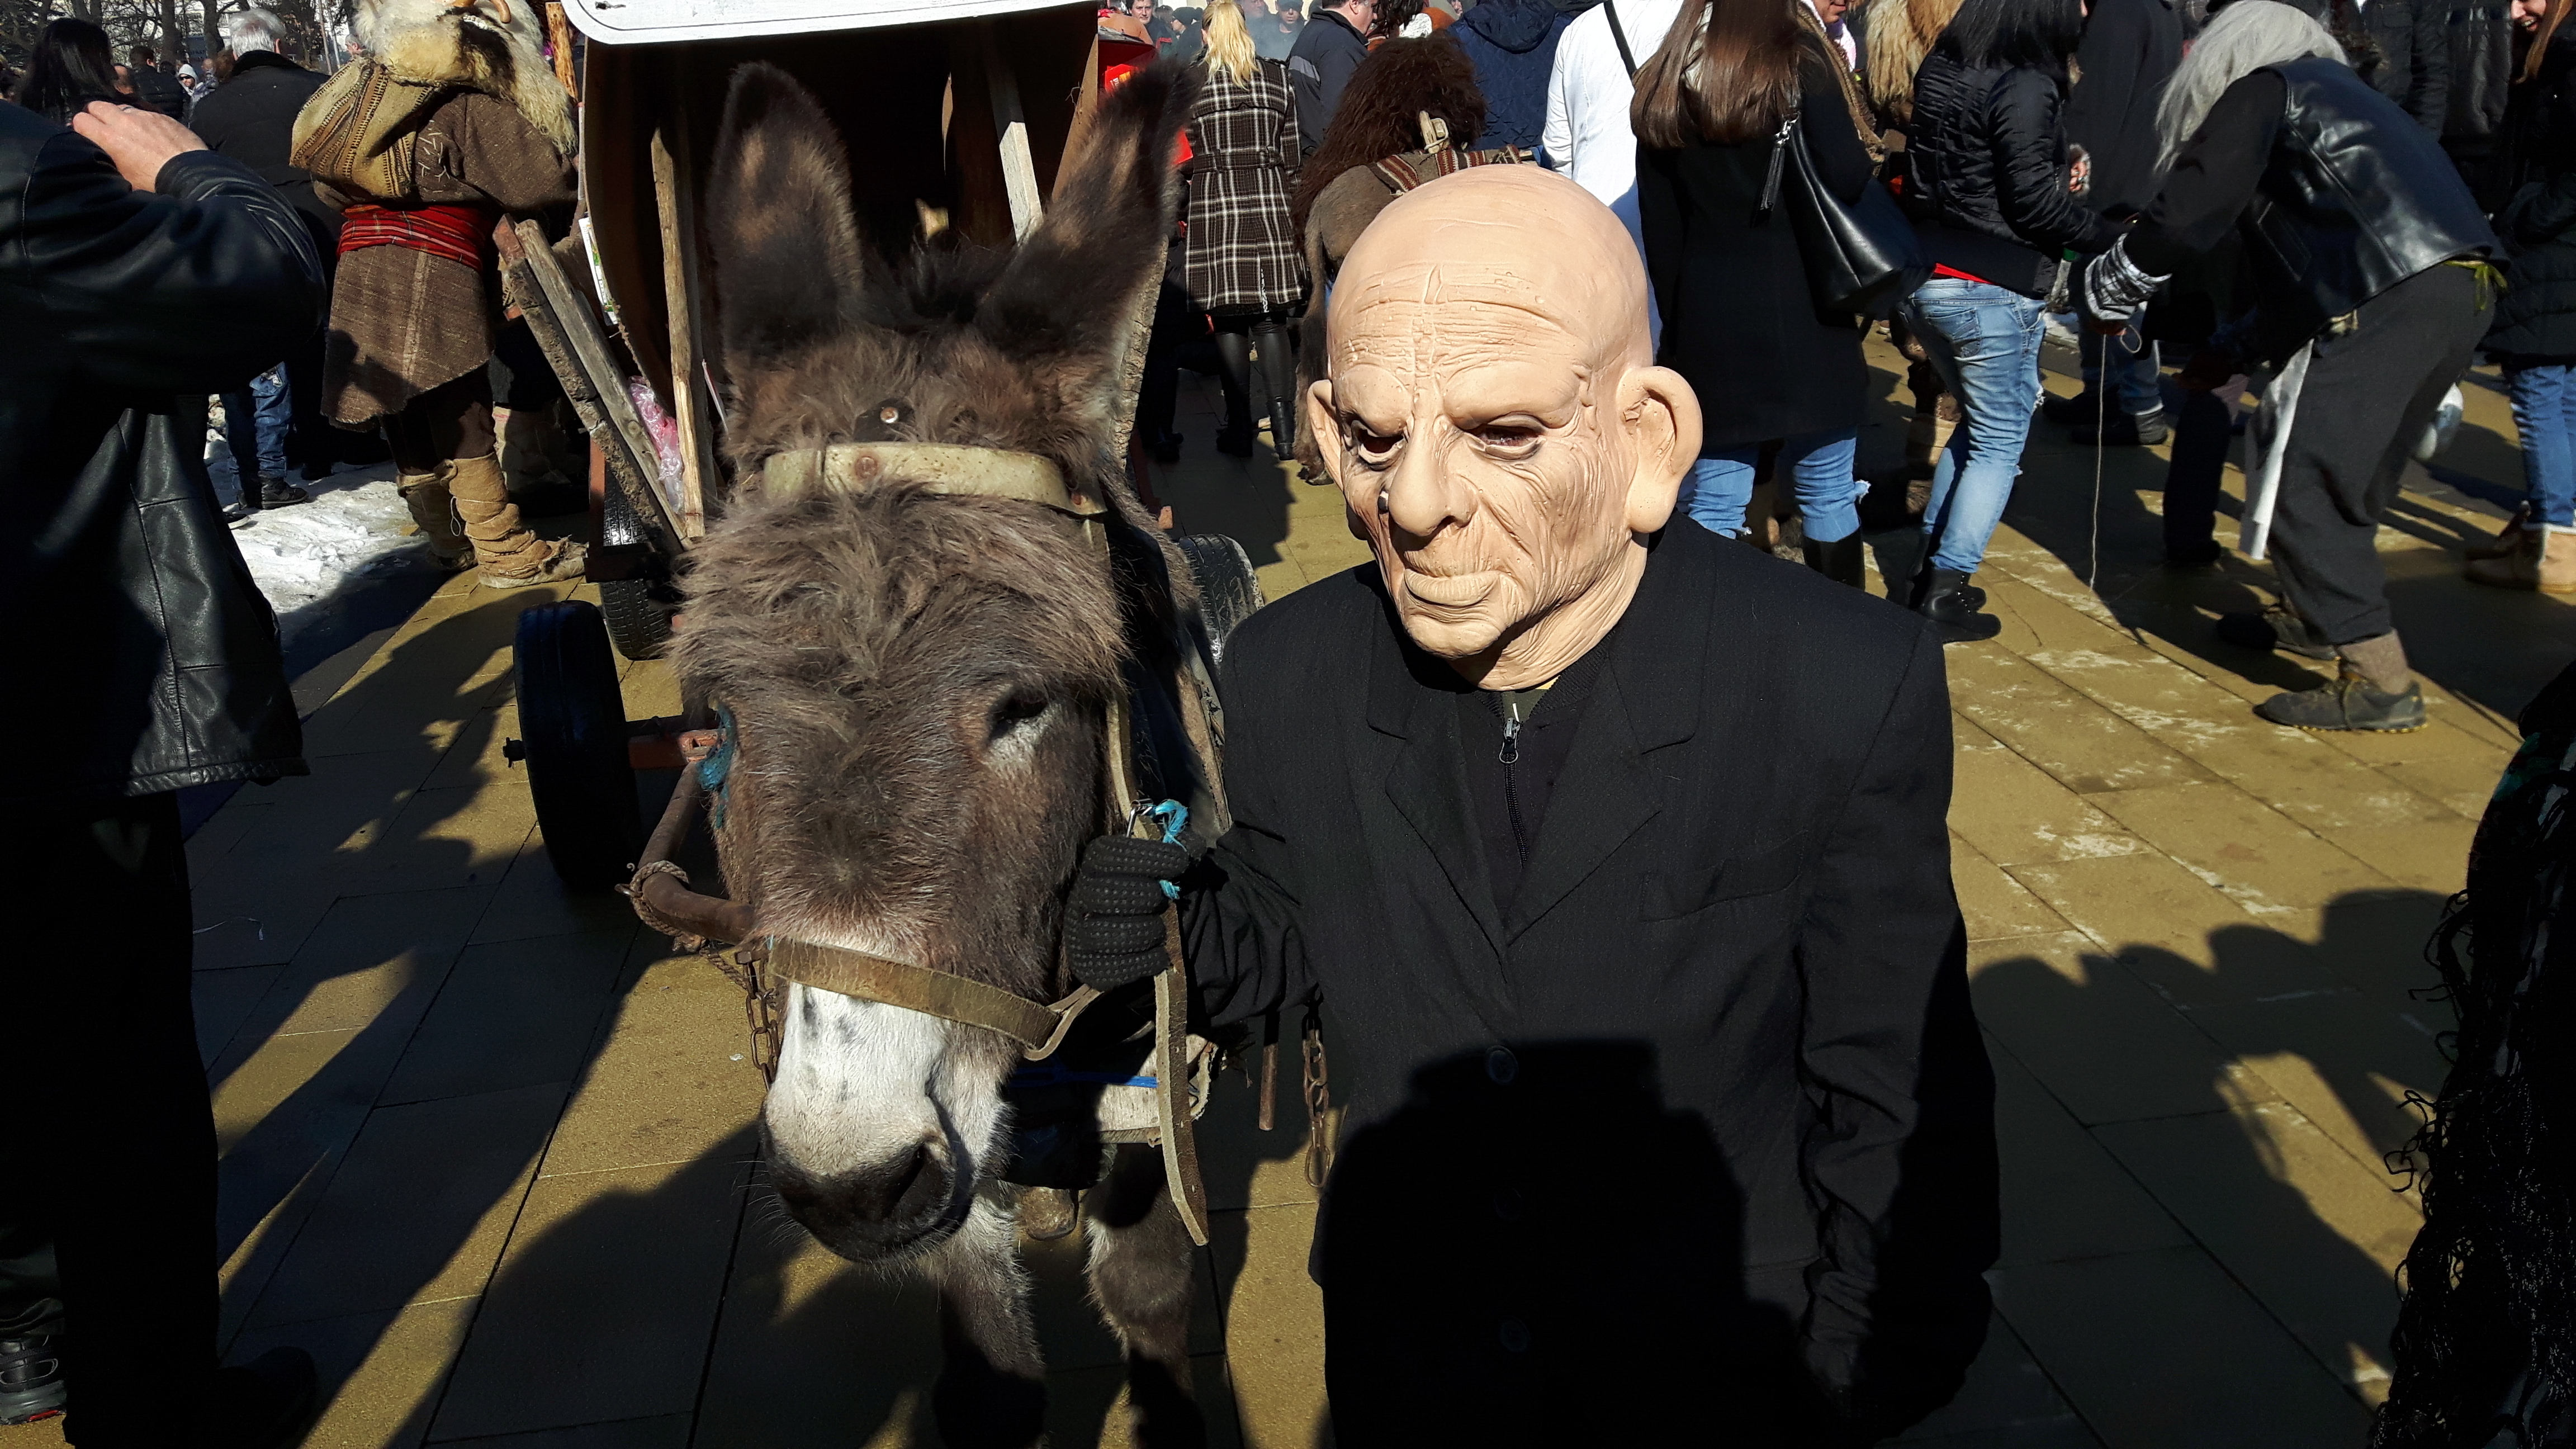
<point x="2130" y="49"/>
<point x="1988" y="186"/>
<point x="1319" y="67"/>
<point x="251" y="118"/>
<point x="1707" y="1101"/>
<point x="160" y="92"/>
<point x="2536" y="316"/>
<point x="147" y="653"/>
<point x="2402" y="47"/>
<point x="1739" y="319"/>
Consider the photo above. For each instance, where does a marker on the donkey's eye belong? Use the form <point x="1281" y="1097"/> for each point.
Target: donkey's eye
<point x="1014" y="710"/>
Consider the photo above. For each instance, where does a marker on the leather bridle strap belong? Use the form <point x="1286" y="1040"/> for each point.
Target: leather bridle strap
<point x="950" y="468"/>
<point x="1038" y="1029"/>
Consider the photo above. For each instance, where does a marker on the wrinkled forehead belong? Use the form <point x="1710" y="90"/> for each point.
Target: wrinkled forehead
<point x="1435" y="316"/>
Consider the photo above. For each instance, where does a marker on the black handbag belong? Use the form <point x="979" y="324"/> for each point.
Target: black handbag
<point x="1862" y="257"/>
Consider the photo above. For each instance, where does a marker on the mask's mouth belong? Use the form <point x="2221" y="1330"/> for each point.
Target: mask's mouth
<point x="1450" y="591"/>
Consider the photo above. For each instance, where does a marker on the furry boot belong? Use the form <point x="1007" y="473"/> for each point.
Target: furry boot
<point x="510" y="556"/>
<point x="432" y="508"/>
<point x="2542" y="559"/>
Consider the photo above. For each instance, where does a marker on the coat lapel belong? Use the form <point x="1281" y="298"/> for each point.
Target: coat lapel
<point x="1427" y="782"/>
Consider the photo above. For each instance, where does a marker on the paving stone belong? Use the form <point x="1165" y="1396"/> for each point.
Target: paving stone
<point x="2313" y="1235"/>
<point x="2162" y="1348"/>
<point x="418" y="1209"/>
<point x="2377" y="941"/>
<point x="380" y="1373"/>
<point x="1274" y="1316"/>
<point x="512" y="1014"/>
<point x="1995" y="904"/>
<point x="2258" y="856"/>
<point x="570" y="1331"/>
<point x="1243" y="1166"/>
<point x="663" y="1431"/>
<point x="662" y="1086"/>
<point x="2012" y="811"/>
<point x="2064" y="1197"/>
<point x="2084" y="746"/>
<point x="2165" y="924"/>
<point x="1071" y="1330"/>
<point x="1089" y="1406"/>
<point x="2430" y="854"/>
<point x="223" y="1000"/>
<point x="2344" y="1059"/>
<point x="2104" y="1044"/>
<point x="533" y="901"/>
<point x="2007" y="1400"/>
<point x="813" y="1352"/>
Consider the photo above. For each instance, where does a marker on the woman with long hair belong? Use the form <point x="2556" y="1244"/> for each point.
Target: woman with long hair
<point x="1241" y="255"/>
<point x="1993" y="200"/>
<point x="1769" y="364"/>
<point x="71" y="65"/>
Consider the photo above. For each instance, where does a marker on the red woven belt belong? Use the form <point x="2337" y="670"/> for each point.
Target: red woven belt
<point x="461" y="234"/>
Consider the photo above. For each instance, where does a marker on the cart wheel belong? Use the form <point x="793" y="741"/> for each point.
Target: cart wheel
<point x="572" y="723"/>
<point x="638" y="610"/>
<point x="1228" y="589"/>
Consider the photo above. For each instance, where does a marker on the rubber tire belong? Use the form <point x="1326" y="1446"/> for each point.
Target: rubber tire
<point x="572" y="728"/>
<point x="638" y="610"/>
<point x="1229" y="591"/>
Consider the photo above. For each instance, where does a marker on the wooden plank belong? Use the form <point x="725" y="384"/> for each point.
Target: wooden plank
<point x="559" y="316"/>
<point x="675" y="196"/>
<point x="1011" y="132"/>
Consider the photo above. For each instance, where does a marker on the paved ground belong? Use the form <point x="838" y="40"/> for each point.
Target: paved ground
<point x="488" y="1149"/>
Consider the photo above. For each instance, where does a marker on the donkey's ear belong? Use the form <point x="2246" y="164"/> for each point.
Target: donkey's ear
<point x="779" y="221"/>
<point x="1103" y="238"/>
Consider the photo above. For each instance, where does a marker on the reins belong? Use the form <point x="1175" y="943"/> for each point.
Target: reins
<point x="764" y="962"/>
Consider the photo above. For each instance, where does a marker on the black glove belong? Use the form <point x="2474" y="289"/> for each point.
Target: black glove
<point x="1113" y="930"/>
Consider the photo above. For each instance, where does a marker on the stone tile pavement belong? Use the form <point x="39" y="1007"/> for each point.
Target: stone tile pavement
<point x="488" y="1150"/>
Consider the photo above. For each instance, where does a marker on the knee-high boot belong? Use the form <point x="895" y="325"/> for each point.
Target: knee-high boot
<point x="434" y="511"/>
<point x="1279" y="382"/>
<point x="509" y="555"/>
<point x="1234" y="351"/>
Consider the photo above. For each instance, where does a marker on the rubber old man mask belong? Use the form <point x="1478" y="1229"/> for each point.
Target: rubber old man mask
<point x="1491" y="413"/>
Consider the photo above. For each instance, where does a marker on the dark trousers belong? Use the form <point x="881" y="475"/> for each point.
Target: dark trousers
<point x="107" y="1166"/>
<point x="2368" y="397"/>
<point x="451" y="420"/>
<point x="2200" y="438"/>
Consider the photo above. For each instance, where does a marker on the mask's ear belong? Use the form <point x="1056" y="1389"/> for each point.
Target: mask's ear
<point x="1105" y="235"/>
<point x="780" y="226"/>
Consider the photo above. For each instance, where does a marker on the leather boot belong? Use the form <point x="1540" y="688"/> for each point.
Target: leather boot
<point x="509" y="555"/>
<point x="1279" y="383"/>
<point x="2543" y="559"/>
<point x="1953" y="605"/>
<point x="431" y="507"/>
<point x="1841" y="560"/>
<point x="2505" y="539"/>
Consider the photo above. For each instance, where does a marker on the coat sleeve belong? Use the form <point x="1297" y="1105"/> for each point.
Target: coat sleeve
<point x="2542" y="213"/>
<point x="191" y="287"/>
<point x="2030" y="180"/>
<point x="1902" y="1163"/>
<point x="2428" y="89"/>
<point x="1556" y="138"/>
<point x="1239" y="904"/>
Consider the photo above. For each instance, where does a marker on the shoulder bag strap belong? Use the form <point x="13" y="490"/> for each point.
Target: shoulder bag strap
<point x="1619" y="37"/>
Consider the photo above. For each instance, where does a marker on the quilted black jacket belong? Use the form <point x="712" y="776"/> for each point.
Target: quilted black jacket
<point x="2536" y="316"/>
<point x="1989" y="190"/>
<point x="144" y="648"/>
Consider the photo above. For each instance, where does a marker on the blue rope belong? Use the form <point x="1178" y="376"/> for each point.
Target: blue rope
<point x="718" y="766"/>
<point x="1048" y="1074"/>
<point x="1175" y="816"/>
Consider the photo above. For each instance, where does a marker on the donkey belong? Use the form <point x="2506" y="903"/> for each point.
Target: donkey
<point x="916" y="685"/>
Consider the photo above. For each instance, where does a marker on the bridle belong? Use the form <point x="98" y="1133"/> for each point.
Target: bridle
<point x="661" y="893"/>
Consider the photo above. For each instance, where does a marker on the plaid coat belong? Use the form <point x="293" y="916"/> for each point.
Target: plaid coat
<point x="1242" y="248"/>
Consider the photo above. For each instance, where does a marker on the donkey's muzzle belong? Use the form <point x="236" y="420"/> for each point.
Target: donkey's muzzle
<point x="879" y="1211"/>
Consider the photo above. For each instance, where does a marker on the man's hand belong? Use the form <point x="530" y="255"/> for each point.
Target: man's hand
<point x="140" y="142"/>
<point x="1113" y="929"/>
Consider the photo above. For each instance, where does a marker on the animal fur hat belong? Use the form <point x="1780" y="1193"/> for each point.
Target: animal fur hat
<point x="497" y="47"/>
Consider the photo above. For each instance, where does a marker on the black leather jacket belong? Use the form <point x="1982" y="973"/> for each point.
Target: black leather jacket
<point x="2350" y="205"/>
<point x="146" y="658"/>
<point x="1988" y="191"/>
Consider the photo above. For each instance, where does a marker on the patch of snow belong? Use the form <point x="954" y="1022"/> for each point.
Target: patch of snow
<point x="356" y="529"/>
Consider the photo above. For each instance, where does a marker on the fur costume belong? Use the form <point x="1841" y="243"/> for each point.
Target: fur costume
<point x="361" y="126"/>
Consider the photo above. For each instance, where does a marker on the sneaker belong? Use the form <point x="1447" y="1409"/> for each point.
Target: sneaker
<point x="266" y="1404"/>
<point x="2126" y="430"/>
<point x="240" y="510"/>
<point x="31" y="1377"/>
<point x="278" y="493"/>
<point x="2275" y="628"/>
<point x="2349" y="703"/>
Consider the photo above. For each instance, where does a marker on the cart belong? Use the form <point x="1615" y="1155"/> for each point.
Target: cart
<point x="956" y="115"/>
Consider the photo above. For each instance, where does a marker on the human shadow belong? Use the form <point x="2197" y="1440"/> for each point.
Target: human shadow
<point x="2222" y="1113"/>
<point x="1246" y="499"/>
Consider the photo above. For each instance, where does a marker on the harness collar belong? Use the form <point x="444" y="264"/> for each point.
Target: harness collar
<point x="1039" y="1029"/>
<point x="938" y="467"/>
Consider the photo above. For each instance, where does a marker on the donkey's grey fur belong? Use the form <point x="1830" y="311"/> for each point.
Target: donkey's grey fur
<point x="917" y="685"/>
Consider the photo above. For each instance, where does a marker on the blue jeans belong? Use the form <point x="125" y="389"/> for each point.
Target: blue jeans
<point x="255" y="417"/>
<point x="1984" y="341"/>
<point x="2134" y="375"/>
<point x="2544" y="413"/>
<point x="1819" y="466"/>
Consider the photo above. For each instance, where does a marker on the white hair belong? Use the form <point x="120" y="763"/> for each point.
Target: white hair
<point x="254" y="28"/>
<point x="2247" y="36"/>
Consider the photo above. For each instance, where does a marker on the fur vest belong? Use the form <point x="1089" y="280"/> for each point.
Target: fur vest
<point x="359" y="132"/>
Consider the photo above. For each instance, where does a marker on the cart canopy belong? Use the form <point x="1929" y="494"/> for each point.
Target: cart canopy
<point x="626" y="22"/>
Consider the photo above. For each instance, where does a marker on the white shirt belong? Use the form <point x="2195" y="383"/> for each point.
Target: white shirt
<point x="1587" y="135"/>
